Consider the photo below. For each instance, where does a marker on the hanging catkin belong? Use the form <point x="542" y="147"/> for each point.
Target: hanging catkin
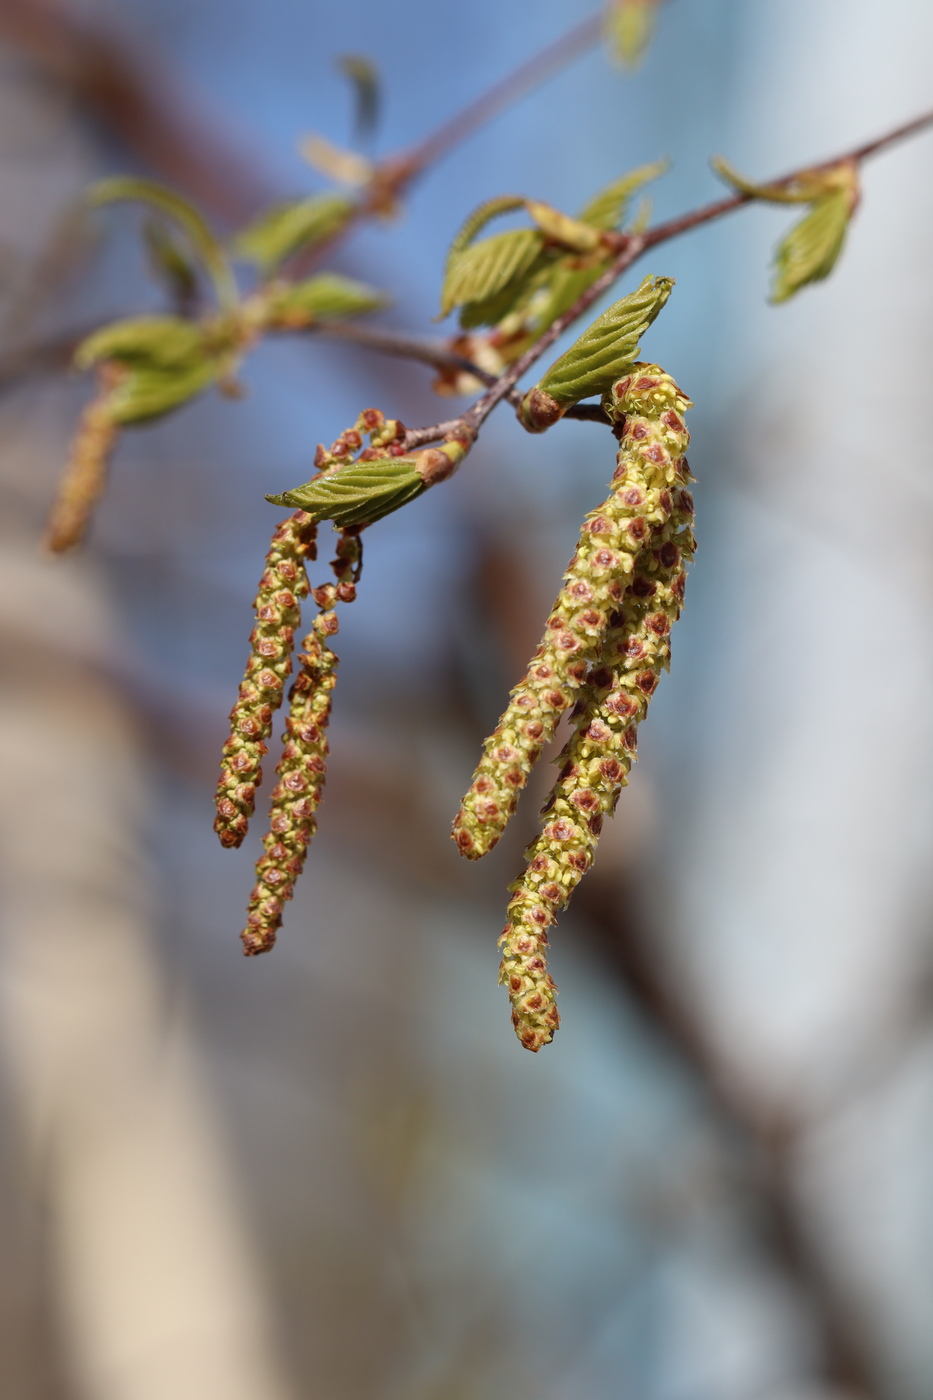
<point x="278" y="612"/>
<point x="610" y="542"/>
<point x="302" y="769"/>
<point x="636" y="648"/>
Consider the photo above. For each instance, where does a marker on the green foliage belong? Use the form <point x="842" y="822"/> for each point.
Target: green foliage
<point x="811" y="249"/>
<point x="167" y="341"/>
<point x="203" y="243"/>
<point x="286" y="229"/>
<point x="163" y="361"/>
<point x="328" y="296"/>
<point x="562" y="229"/>
<point x="358" y="493"/>
<point x="483" y="270"/>
<point x="477" y="221"/>
<point x="608" y="346"/>
<point x="607" y="209"/>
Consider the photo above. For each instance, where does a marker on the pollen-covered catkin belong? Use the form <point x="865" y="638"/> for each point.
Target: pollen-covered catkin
<point x="611" y="541"/>
<point x="302" y="769"/>
<point x="296" y="796"/>
<point x="278" y="612"/>
<point x="597" y="758"/>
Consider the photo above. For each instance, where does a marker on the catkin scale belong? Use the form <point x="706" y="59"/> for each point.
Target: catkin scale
<point x="611" y="541"/>
<point x="278" y="611"/>
<point x="598" y="756"/>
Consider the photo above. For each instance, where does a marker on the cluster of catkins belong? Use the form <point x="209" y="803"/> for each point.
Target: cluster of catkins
<point x="606" y="642"/>
<point x="302" y="767"/>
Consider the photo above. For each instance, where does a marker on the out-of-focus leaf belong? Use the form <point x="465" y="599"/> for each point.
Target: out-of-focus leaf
<point x="324" y="297"/>
<point x="560" y="228"/>
<point x="483" y="269"/>
<point x="149" y="390"/>
<point x="164" y="361"/>
<point x="203" y="242"/>
<point x="611" y="342"/>
<point x="801" y="190"/>
<point x="286" y="228"/>
<point x="565" y="283"/>
<point x="809" y="252"/>
<point x="606" y="210"/>
<point x="170" y="263"/>
<point x="629" y="26"/>
<point x="344" y="167"/>
<point x="358" y="493"/>
<point x="166" y="341"/>
<point x="364" y="75"/>
<point x="509" y="301"/>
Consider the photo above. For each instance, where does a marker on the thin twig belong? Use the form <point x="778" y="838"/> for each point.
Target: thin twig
<point x="429" y="352"/>
<point x="470" y="422"/>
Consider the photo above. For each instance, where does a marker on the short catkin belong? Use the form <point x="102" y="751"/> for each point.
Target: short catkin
<point x="278" y="612"/>
<point x="85" y="474"/>
<point x="596" y="759"/>
<point x="302" y="769"/>
<point x="610" y="542"/>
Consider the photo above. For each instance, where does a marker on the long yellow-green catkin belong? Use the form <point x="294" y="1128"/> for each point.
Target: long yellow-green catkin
<point x="278" y="612"/>
<point x="302" y="769"/>
<point x="611" y="541"/>
<point x="597" y="758"/>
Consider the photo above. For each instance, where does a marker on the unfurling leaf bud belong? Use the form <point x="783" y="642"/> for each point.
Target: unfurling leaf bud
<point x="282" y="586"/>
<point x="809" y="251"/>
<point x="364" y="491"/>
<point x="599" y="356"/>
<point x="613" y="537"/>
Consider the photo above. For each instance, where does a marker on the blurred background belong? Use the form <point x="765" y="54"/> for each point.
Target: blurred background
<point x="332" y="1171"/>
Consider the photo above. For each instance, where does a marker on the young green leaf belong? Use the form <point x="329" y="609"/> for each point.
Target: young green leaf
<point x="560" y="228"/>
<point x="629" y="26"/>
<point x="606" y="210"/>
<point x="287" y="228"/>
<point x="170" y="263"/>
<point x="800" y="190"/>
<point x="359" y="493"/>
<point x="166" y="341"/>
<point x="561" y="287"/>
<point x="475" y="222"/>
<point x="327" y="296"/>
<point x="149" y="390"/>
<point x="611" y="342"/>
<point x="203" y="242"/>
<point x="484" y="269"/>
<point x="163" y="361"/>
<point x="809" y="252"/>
